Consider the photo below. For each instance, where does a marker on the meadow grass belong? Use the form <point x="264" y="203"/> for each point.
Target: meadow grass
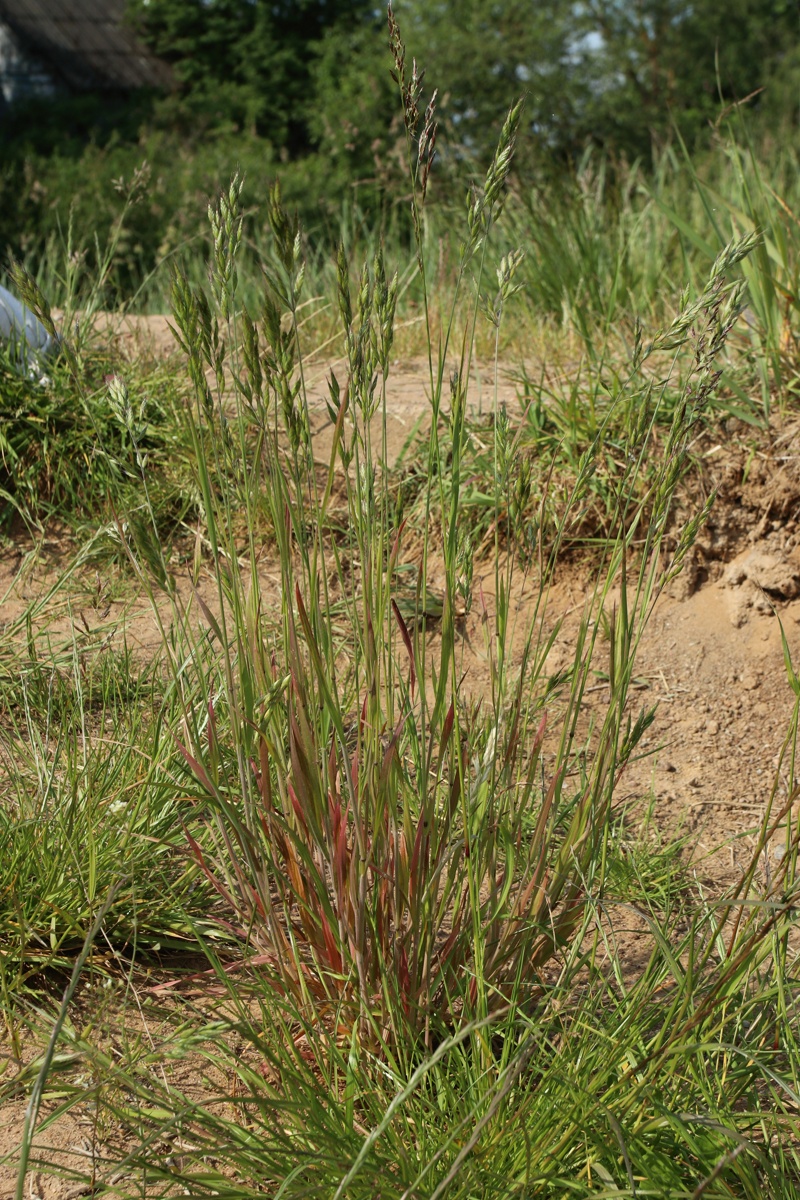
<point x="602" y="249"/>
<point x="408" y="883"/>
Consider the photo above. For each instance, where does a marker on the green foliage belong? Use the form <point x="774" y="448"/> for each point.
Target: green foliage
<point x="353" y="121"/>
<point x="605" y="73"/>
<point x="661" y="62"/>
<point x="302" y="89"/>
<point x="743" y="194"/>
<point x="64" y="453"/>
<point x="246" y="64"/>
<point x="89" y="800"/>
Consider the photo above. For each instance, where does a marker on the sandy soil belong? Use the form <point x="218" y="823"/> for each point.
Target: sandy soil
<point x="712" y="658"/>
<point x="407" y="385"/>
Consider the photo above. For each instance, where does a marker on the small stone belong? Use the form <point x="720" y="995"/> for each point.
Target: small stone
<point x="750" y="682"/>
<point x="694" y="782"/>
<point x="712" y="727"/>
<point x="740" y="602"/>
<point x="772" y="572"/>
<point x="735" y="575"/>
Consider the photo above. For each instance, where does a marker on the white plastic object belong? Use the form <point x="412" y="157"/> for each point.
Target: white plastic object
<point x="23" y="330"/>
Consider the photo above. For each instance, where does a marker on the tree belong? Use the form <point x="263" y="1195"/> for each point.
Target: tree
<point x="652" y="63"/>
<point x="245" y="63"/>
<point x="312" y="75"/>
<point x="617" y="73"/>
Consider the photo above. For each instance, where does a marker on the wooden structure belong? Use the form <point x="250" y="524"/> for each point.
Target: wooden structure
<point x="49" y="47"/>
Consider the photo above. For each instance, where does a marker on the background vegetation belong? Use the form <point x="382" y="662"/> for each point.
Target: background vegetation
<point x="302" y="90"/>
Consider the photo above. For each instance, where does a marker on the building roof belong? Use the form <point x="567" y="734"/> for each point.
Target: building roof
<point x="86" y="43"/>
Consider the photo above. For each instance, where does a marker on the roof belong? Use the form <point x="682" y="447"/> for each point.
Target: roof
<point x="86" y="43"/>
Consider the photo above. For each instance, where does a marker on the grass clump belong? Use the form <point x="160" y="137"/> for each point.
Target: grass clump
<point x="73" y="437"/>
<point x="91" y="788"/>
<point x="397" y="860"/>
<point x="66" y="460"/>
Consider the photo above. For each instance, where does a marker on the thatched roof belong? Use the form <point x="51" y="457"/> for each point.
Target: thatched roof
<point x="85" y="43"/>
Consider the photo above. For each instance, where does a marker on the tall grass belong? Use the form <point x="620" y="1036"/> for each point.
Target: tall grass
<point x="741" y="196"/>
<point x="605" y="242"/>
<point x="369" y="814"/>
